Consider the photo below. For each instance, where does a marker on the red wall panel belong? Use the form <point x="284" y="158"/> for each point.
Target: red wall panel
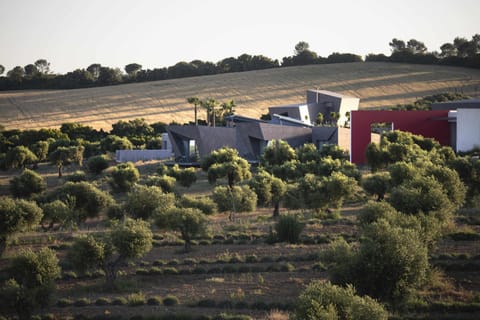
<point x="431" y="124"/>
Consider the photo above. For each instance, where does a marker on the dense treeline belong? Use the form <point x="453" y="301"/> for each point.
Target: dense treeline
<point x="461" y="52"/>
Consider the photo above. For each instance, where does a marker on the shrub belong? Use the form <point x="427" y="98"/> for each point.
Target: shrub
<point x="170" y="300"/>
<point x="236" y="199"/>
<point x="173" y="262"/>
<point x="377" y="184"/>
<point x="136" y="299"/>
<point x="77" y="176"/>
<point x="143" y="201"/>
<point x="322" y="300"/>
<point x="142" y="272"/>
<point x="186" y="177"/>
<point x="120" y="301"/>
<point x="287" y="267"/>
<point x="97" y="164"/>
<point x="251" y="258"/>
<point x="115" y="211"/>
<point x="159" y="262"/>
<point x="64" y="302"/>
<point x="205" y="204"/>
<point x="154" y="301"/>
<point x="102" y="301"/>
<point x="288" y="228"/>
<point x="87" y="200"/>
<point x="190" y="261"/>
<point x="70" y="275"/>
<point x="27" y="183"/>
<point x="170" y="271"/>
<point x="155" y="271"/>
<point x="82" y="302"/>
<point x="124" y="176"/>
<point x="166" y="183"/>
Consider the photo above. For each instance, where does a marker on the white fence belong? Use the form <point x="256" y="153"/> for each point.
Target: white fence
<point x="142" y="155"/>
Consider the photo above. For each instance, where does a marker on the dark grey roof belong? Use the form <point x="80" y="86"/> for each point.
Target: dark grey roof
<point x="457" y="104"/>
<point x="236" y="118"/>
<point x="290" y="121"/>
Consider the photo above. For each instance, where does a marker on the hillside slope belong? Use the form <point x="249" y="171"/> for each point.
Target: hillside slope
<point x="376" y="84"/>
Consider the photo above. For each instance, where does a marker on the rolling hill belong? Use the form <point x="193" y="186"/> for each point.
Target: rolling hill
<point x="376" y="84"/>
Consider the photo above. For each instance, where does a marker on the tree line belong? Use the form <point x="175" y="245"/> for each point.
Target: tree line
<point x="461" y="52"/>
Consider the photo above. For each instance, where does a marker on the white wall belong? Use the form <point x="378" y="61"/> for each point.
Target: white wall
<point x="142" y="155"/>
<point x="304" y="115"/>
<point x="347" y="105"/>
<point x="468" y="129"/>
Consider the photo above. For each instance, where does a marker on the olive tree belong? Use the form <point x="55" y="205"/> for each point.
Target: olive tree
<point x="188" y="221"/>
<point x="126" y="241"/>
<point x="269" y="190"/>
<point x="85" y="200"/>
<point x="320" y="192"/>
<point x="27" y="183"/>
<point x="236" y="199"/>
<point x="226" y="163"/>
<point x="143" y="201"/>
<point x="31" y="282"/>
<point x="400" y="257"/>
<point x="19" y="157"/>
<point x="124" y="176"/>
<point x="280" y="159"/>
<point x="377" y="184"/>
<point x="56" y="214"/>
<point x="323" y="300"/>
<point x="97" y="164"/>
<point x="63" y="156"/>
<point x="16" y="216"/>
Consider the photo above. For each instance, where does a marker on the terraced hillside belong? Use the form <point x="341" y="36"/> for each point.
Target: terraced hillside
<point x="376" y="84"/>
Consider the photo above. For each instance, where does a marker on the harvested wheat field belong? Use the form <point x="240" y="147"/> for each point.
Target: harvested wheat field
<point x="376" y="84"/>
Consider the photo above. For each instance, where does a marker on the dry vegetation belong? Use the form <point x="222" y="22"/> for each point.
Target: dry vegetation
<point x="255" y="287"/>
<point x="376" y="84"/>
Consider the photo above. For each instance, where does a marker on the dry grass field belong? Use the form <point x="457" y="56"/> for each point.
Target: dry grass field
<point x="376" y="84"/>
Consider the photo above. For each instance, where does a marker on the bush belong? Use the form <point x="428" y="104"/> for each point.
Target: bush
<point x="27" y="183"/>
<point x="120" y="301"/>
<point x="170" y="271"/>
<point x="143" y="201"/>
<point x="124" y="176"/>
<point x="77" y="176"/>
<point x="205" y="204"/>
<point x="82" y="302"/>
<point x="87" y="200"/>
<point x="155" y="271"/>
<point x="322" y="300"/>
<point x="236" y="199"/>
<point x="288" y="228"/>
<point x="102" y="301"/>
<point x="136" y="299"/>
<point x="64" y="302"/>
<point x="166" y="183"/>
<point x="170" y="301"/>
<point x="97" y="164"/>
<point x="115" y="212"/>
<point x="69" y="275"/>
<point x="154" y="301"/>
